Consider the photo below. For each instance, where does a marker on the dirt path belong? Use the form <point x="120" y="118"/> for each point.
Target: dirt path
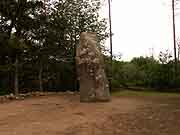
<point x="64" y="115"/>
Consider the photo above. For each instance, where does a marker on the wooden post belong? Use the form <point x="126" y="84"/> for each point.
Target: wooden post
<point x="174" y="38"/>
<point x="110" y="28"/>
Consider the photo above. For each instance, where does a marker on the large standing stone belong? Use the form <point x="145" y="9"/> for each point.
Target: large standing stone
<point x="90" y="66"/>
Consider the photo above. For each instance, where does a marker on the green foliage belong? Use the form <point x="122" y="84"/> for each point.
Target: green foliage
<point x="44" y="40"/>
<point x="144" y="72"/>
<point x="3" y="91"/>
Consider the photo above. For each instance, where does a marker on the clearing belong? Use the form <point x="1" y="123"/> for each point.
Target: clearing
<point x="63" y="114"/>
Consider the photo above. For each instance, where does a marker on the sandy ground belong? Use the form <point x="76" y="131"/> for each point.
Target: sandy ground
<point x="63" y="114"/>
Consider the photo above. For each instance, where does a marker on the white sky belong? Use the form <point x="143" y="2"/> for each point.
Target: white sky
<point x="140" y="25"/>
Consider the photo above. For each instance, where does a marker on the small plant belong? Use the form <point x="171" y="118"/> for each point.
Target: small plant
<point x="3" y="91"/>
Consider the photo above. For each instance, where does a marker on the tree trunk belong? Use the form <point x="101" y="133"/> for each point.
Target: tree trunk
<point x="110" y="31"/>
<point x="40" y="77"/>
<point x="16" y="80"/>
<point x="178" y="45"/>
<point x="174" y="37"/>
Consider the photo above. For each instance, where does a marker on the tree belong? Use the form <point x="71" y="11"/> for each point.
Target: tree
<point x="69" y="19"/>
<point x="165" y="57"/>
<point x="19" y="16"/>
<point x="33" y="41"/>
<point x="178" y="48"/>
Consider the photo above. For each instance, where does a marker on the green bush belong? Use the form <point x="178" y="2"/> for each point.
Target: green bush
<point x="3" y="91"/>
<point x="115" y="84"/>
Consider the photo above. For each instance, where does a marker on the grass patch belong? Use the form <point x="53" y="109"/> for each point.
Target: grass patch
<point x="144" y="93"/>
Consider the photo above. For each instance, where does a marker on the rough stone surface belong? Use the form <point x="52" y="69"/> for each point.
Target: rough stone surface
<point x="90" y="66"/>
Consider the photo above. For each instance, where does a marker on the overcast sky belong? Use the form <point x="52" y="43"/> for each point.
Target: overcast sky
<point x="140" y="25"/>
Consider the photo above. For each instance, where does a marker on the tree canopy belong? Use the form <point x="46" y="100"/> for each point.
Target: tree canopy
<point x="38" y="40"/>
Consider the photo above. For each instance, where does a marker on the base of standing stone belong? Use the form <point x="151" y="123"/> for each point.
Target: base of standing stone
<point x="94" y="100"/>
<point x="82" y="99"/>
